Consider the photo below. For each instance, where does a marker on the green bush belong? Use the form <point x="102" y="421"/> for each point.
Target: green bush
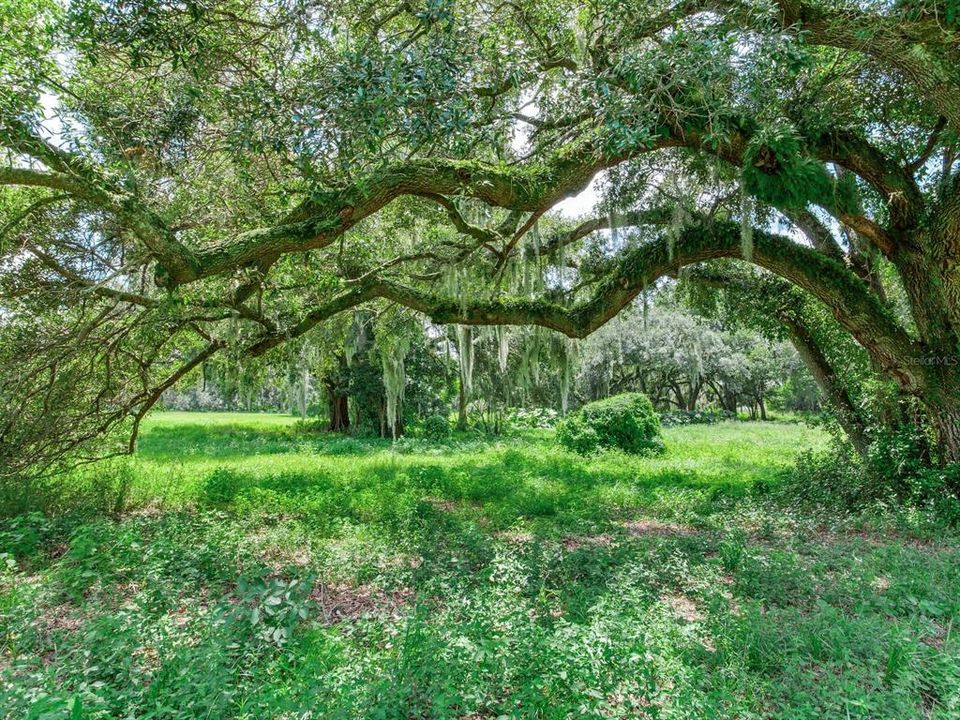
<point x="833" y="477"/>
<point x="574" y="434"/>
<point x="436" y="427"/>
<point x="222" y="486"/>
<point x="894" y="474"/>
<point x="626" y="421"/>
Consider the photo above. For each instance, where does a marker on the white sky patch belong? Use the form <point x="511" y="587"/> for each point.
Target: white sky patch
<point x="52" y="125"/>
<point x="582" y="204"/>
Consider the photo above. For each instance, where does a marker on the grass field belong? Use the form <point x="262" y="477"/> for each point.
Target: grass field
<point x="253" y="571"/>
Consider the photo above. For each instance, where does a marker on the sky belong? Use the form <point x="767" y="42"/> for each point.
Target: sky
<point x="580" y="205"/>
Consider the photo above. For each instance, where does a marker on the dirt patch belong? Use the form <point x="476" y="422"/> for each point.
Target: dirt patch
<point x="881" y="583"/>
<point x="279" y="558"/>
<point x="881" y="537"/>
<point x="147" y="659"/>
<point x="728" y="596"/>
<point x="342" y="602"/>
<point x="575" y="542"/>
<point x="150" y="510"/>
<point x="399" y="561"/>
<point x="61" y="618"/>
<point x="443" y="505"/>
<point x="515" y="537"/>
<point x="645" y="527"/>
<point x="127" y="591"/>
<point x="938" y="638"/>
<point x="682" y="607"/>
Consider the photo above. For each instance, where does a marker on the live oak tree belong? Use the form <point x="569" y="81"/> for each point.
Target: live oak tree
<point x="683" y="361"/>
<point x="669" y="355"/>
<point x="188" y="179"/>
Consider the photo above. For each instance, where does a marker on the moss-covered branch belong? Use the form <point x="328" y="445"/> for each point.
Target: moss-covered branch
<point x="845" y="294"/>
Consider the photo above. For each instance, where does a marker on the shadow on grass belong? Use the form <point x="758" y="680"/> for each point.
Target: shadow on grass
<point x="520" y="572"/>
<point x="559" y="493"/>
<point x="239" y="440"/>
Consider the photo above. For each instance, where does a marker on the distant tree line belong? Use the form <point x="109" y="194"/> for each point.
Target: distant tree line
<point x="681" y="360"/>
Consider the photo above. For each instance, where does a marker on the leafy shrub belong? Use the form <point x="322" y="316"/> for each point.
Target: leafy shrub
<point x="87" y="490"/>
<point x="626" y="421"/>
<point x="832" y="478"/>
<point x="895" y="459"/>
<point x="222" y="486"/>
<point x="274" y="606"/>
<point x="576" y="435"/>
<point x="23" y="535"/>
<point x="695" y="417"/>
<point x="436" y="427"/>
<point x="893" y="473"/>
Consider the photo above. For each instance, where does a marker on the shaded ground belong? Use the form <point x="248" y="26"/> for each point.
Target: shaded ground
<point x="258" y="573"/>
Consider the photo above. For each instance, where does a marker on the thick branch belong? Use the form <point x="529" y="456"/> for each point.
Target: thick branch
<point x="318" y="222"/>
<point x="53" y="180"/>
<point x="924" y="51"/>
<point x="147" y="226"/>
<point x="851" y="302"/>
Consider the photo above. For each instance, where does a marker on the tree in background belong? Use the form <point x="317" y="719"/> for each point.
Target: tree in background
<point x="685" y="362"/>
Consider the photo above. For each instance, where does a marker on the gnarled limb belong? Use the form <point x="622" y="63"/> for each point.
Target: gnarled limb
<point x="846" y="295"/>
<point x="924" y="50"/>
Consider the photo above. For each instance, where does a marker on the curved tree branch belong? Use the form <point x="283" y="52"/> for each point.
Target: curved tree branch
<point x="847" y="296"/>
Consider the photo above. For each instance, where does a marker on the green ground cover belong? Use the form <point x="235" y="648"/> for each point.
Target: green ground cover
<point x="248" y="570"/>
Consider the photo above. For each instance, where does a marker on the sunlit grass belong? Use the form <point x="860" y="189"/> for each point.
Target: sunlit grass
<point x="253" y="570"/>
<point x="178" y="452"/>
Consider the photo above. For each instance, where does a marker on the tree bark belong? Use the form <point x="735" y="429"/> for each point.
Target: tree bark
<point x="462" y="407"/>
<point x="338" y="407"/>
<point x="929" y="267"/>
<point x="694" y="396"/>
<point x="946" y="424"/>
<point x="941" y="403"/>
<point x="830" y="384"/>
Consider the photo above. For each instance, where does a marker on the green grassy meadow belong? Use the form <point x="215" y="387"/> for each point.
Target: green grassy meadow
<point x="241" y="568"/>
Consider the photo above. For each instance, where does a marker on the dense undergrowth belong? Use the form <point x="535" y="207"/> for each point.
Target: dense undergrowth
<point x="236" y="568"/>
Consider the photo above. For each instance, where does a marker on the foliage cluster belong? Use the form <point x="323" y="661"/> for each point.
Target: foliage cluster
<point x="695" y="417"/>
<point x="542" y="418"/>
<point x="693" y="359"/>
<point x="778" y="172"/>
<point x="238" y="186"/>
<point x="435" y="427"/>
<point x="895" y="472"/>
<point x="625" y="422"/>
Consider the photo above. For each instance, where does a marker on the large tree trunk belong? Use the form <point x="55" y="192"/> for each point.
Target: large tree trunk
<point x="829" y="382"/>
<point x="941" y="401"/>
<point x="338" y="407"/>
<point x="679" y="399"/>
<point x="946" y="425"/>
<point x="694" y="396"/>
<point x="729" y="401"/>
<point x="931" y="279"/>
